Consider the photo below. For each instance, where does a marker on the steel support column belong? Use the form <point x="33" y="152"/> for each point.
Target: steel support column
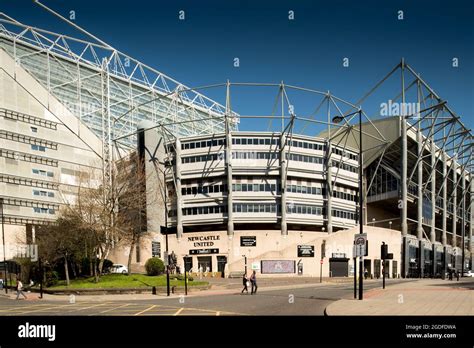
<point x="445" y="197"/>
<point x="329" y="185"/>
<point x="403" y="178"/>
<point x="471" y="219"/>
<point x="455" y="201"/>
<point x="283" y="159"/>
<point x="419" y="225"/>
<point x="433" y="192"/>
<point x="179" y="205"/>
<point x="230" y="204"/>
<point x="228" y="160"/>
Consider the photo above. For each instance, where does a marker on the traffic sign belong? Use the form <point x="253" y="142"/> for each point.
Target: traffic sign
<point x="359" y="239"/>
<point x="322" y="261"/>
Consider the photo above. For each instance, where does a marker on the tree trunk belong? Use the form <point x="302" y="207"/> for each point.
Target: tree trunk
<point x="66" y="270"/>
<point x="132" y="248"/>
<point x="91" y="264"/>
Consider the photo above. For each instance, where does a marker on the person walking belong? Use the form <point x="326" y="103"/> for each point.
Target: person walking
<point x="245" y="281"/>
<point x="19" y="289"/>
<point x="253" y="280"/>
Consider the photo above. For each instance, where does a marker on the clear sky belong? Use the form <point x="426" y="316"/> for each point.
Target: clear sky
<point x="307" y="51"/>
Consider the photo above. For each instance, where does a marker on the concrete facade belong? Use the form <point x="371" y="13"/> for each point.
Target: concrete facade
<point x="44" y="149"/>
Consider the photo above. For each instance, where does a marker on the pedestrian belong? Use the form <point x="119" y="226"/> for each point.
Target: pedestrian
<point x="253" y="280"/>
<point x="245" y="283"/>
<point x="19" y="289"/>
<point x="366" y="273"/>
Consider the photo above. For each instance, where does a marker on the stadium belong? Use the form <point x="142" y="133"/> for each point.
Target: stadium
<point x="282" y="201"/>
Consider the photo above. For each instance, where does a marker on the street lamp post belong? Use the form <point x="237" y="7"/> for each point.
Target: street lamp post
<point x="245" y="260"/>
<point x="4" y="252"/>
<point x="338" y="119"/>
<point x="185" y="276"/>
<point x="166" y="237"/>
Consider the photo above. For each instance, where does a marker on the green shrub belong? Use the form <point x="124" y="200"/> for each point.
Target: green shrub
<point x="51" y="278"/>
<point x="154" y="266"/>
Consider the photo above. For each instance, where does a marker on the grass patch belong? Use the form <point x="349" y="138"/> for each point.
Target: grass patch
<point x="113" y="281"/>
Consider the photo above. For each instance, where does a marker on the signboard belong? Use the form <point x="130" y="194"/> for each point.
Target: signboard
<point x="358" y="250"/>
<point x="203" y="251"/>
<point x="256" y="266"/>
<point x="305" y="250"/>
<point x="338" y="255"/>
<point x="155" y="249"/>
<point x="359" y="239"/>
<point x="278" y="266"/>
<point x="248" y="241"/>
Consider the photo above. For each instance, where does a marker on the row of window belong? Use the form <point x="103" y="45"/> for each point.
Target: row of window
<point x="215" y="209"/>
<point x="255" y="208"/>
<point x="43" y="173"/>
<point x="202" y="144"/>
<point x="43" y="210"/>
<point x="305" y="189"/>
<point x="256" y="141"/>
<point x="249" y="187"/>
<point x="304" y="158"/>
<point x="345" y="196"/>
<point x="201" y="158"/>
<point x="27" y="118"/>
<point x="204" y="189"/>
<point x="305" y="145"/>
<point x="27" y="139"/>
<point x="344" y="214"/>
<point x="266" y="155"/>
<point x="20" y="156"/>
<point x="255" y="155"/>
<point x="345" y="154"/>
<point x="344" y="166"/>
<point x="43" y="193"/>
<point x="292" y="208"/>
<point x="38" y="148"/>
<point x="11" y="179"/>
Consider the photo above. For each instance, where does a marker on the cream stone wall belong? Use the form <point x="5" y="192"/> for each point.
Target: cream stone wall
<point x="272" y="246"/>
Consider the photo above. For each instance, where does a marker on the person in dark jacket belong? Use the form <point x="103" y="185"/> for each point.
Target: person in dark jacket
<point x="244" y="282"/>
<point x="253" y="280"/>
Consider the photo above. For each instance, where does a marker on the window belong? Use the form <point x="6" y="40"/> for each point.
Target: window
<point x="34" y="129"/>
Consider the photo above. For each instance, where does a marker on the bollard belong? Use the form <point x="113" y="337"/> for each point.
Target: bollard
<point x="153" y="290"/>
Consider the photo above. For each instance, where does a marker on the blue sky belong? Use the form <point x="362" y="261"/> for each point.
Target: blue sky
<point x="307" y="51"/>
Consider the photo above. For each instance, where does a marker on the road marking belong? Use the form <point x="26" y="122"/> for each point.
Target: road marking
<point x="97" y="305"/>
<point x="111" y="309"/>
<point x="179" y="311"/>
<point x="146" y="310"/>
<point x="43" y="309"/>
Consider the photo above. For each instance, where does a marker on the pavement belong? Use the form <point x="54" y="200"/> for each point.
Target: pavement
<point x="424" y="297"/>
<point x="274" y="297"/>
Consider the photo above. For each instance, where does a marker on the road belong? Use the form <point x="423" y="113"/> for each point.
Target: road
<point x="311" y="299"/>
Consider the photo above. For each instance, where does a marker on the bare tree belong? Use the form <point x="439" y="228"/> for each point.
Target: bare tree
<point x="112" y="212"/>
<point x="60" y="242"/>
<point x="132" y="201"/>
